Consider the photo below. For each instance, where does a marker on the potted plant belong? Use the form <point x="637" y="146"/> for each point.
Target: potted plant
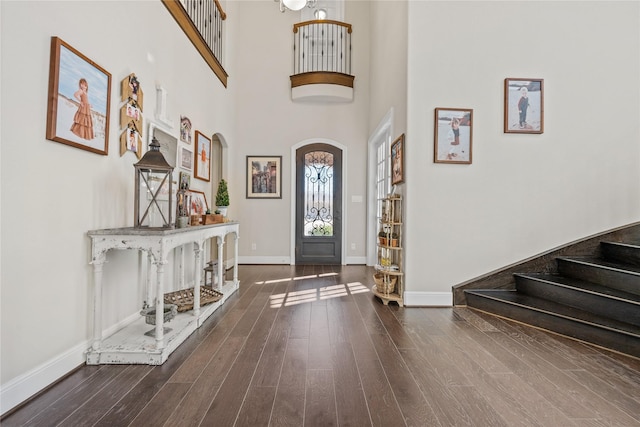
<point x="382" y="236"/>
<point x="222" y="197"/>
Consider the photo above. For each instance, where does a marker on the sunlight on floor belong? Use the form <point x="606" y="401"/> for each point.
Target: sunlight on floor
<point x="288" y="299"/>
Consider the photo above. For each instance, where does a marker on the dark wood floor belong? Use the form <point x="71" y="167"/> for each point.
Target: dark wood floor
<point x="311" y="346"/>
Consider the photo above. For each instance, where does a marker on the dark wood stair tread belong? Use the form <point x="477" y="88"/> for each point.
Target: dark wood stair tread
<point x="556" y="309"/>
<point x="583" y="285"/>
<point x="599" y="262"/>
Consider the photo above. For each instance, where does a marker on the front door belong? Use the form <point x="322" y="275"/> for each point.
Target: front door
<point x="318" y="204"/>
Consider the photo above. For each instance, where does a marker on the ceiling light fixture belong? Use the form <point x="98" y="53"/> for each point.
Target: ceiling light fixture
<point x="295" y="5"/>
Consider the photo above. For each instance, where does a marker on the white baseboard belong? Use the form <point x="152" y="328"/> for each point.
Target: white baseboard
<point x="428" y="299"/>
<point x="264" y="260"/>
<point x="21" y="388"/>
<point x="287" y="260"/>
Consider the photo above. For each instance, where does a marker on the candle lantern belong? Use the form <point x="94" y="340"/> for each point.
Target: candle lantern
<point x="153" y="190"/>
<point x="183" y="206"/>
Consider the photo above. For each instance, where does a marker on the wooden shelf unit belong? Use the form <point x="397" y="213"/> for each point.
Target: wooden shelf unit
<point x="389" y="250"/>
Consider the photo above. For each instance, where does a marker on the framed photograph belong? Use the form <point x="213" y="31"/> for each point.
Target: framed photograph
<point x="168" y="143"/>
<point x="523" y="105"/>
<point x="202" y="160"/>
<point x="186" y="158"/>
<point x="185" y="129"/>
<point x="79" y="94"/>
<point x="397" y="160"/>
<point x="264" y="177"/>
<point x="185" y="180"/>
<point x="199" y="204"/>
<point x="453" y="135"/>
<point x="131" y="90"/>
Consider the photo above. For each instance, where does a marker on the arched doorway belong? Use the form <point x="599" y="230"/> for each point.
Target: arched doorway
<point x="318" y="206"/>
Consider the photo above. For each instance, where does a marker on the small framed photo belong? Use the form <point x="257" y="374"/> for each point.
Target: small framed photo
<point x="199" y="204"/>
<point x="202" y="160"/>
<point x="185" y="180"/>
<point x="186" y="158"/>
<point x="397" y="160"/>
<point x="453" y="135"/>
<point x="79" y="94"/>
<point x="185" y="129"/>
<point x="523" y="105"/>
<point x="264" y="177"/>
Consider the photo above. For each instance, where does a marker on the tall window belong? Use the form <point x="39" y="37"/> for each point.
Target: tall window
<point x="383" y="173"/>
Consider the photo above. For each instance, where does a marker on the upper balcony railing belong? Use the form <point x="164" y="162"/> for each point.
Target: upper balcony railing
<point x="203" y="22"/>
<point x="322" y="53"/>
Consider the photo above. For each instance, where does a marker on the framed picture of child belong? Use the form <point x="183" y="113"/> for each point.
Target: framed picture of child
<point x="202" y="160"/>
<point x="453" y="135"/>
<point x="523" y="105"/>
<point x="79" y="94"/>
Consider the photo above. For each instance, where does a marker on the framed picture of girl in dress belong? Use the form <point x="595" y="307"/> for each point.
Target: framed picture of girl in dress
<point x="523" y="105"/>
<point x="453" y="135"/>
<point x="202" y="161"/>
<point x="79" y="93"/>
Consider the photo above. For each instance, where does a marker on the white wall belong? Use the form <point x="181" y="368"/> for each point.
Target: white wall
<point x="52" y="194"/>
<point x="523" y="194"/>
<point x="270" y="124"/>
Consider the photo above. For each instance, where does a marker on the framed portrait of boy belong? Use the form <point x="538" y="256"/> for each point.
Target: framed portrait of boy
<point x="453" y="135"/>
<point x="523" y="105"/>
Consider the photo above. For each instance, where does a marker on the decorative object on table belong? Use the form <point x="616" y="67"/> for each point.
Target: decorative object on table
<point x="185" y="129"/>
<point x="222" y="198"/>
<point x="199" y="205"/>
<point x="211" y="270"/>
<point x="184" y="298"/>
<point x="183" y="204"/>
<point x="397" y="160"/>
<point x="210" y="218"/>
<point x="202" y="159"/>
<point x="153" y="190"/>
<point x="79" y="94"/>
<point x="149" y="314"/>
<point x="453" y="135"/>
<point x="264" y="177"/>
<point x="523" y="105"/>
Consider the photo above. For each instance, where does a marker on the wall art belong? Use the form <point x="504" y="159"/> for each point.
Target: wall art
<point x="264" y="177"/>
<point x="397" y="160"/>
<point x="202" y="160"/>
<point x="453" y="135"/>
<point x="199" y="205"/>
<point x="185" y="129"/>
<point x="523" y="105"/>
<point x="79" y="94"/>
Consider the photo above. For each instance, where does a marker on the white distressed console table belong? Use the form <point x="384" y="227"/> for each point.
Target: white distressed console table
<point x="130" y="345"/>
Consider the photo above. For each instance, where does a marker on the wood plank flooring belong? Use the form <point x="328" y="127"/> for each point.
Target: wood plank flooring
<point x="311" y="346"/>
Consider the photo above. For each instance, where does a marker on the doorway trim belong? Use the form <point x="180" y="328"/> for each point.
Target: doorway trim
<point x="294" y="148"/>
<point x="381" y="135"/>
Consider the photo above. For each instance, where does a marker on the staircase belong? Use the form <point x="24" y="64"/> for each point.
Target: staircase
<point x="592" y="299"/>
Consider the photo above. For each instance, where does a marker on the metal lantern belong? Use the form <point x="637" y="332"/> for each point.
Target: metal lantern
<point x="153" y="190"/>
<point x="183" y="207"/>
